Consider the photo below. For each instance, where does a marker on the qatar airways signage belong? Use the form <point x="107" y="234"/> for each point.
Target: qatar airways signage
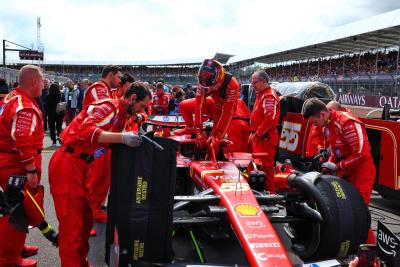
<point x="377" y="101"/>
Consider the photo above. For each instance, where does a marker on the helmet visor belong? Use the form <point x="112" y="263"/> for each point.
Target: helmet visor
<point x="206" y="77"/>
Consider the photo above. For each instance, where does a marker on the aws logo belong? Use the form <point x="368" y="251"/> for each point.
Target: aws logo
<point x="387" y="243"/>
<point x="247" y="210"/>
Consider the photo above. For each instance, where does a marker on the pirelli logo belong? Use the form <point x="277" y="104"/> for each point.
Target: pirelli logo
<point x="344" y="248"/>
<point x="138" y="250"/>
<point x="338" y="190"/>
<point x="141" y="190"/>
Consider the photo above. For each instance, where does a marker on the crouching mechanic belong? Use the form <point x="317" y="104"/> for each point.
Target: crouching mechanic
<point x="99" y="123"/>
<point x="224" y="91"/>
<point x="263" y="121"/>
<point x="21" y="143"/>
<point x="350" y="150"/>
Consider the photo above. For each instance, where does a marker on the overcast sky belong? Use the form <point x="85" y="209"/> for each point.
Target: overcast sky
<point x="132" y="30"/>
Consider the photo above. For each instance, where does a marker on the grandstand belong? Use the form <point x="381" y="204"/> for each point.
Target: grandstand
<point x="175" y="72"/>
<point x="361" y="57"/>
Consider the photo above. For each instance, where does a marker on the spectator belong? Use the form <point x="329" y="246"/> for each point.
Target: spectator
<point x="38" y="100"/>
<point x="178" y="95"/>
<point x="3" y="87"/>
<point x="45" y="92"/>
<point x="55" y="119"/>
<point x="244" y="93"/>
<point x="84" y="84"/>
<point x="189" y="92"/>
<point x="71" y="95"/>
<point x="15" y="85"/>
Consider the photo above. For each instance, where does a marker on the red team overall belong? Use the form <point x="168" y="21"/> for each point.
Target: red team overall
<point x="224" y="91"/>
<point x="263" y="121"/>
<point x="94" y="128"/>
<point x="239" y="129"/>
<point x="21" y="142"/>
<point x="100" y="171"/>
<point x="350" y="150"/>
<point x="159" y="105"/>
<point x="132" y="122"/>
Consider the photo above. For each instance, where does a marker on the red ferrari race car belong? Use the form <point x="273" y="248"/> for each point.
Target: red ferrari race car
<point x="222" y="215"/>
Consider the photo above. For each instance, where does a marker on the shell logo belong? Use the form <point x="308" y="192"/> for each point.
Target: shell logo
<point x="247" y="210"/>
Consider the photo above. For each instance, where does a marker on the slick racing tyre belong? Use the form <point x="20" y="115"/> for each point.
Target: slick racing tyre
<point x="345" y="220"/>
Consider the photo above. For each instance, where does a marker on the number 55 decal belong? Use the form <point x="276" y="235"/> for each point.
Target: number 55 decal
<point x="290" y="135"/>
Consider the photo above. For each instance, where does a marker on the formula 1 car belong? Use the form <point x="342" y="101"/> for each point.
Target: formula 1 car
<point x="222" y="215"/>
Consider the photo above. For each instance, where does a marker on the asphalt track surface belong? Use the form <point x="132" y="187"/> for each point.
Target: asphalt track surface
<point x="381" y="209"/>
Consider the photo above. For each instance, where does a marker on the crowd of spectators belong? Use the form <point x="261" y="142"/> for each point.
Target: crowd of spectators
<point x="354" y="65"/>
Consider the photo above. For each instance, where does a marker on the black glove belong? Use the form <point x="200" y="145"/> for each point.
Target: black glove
<point x="325" y="152"/>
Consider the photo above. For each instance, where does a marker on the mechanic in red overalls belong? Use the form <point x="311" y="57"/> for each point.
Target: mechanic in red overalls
<point x="337" y="106"/>
<point x="223" y="90"/>
<point x="21" y="143"/>
<point x="98" y="125"/>
<point x="263" y="121"/>
<point x="100" y="171"/>
<point x="350" y="150"/>
<point x="132" y="122"/>
<point x="159" y="105"/>
<point x="239" y="129"/>
<point x="126" y="81"/>
<point x="316" y="139"/>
